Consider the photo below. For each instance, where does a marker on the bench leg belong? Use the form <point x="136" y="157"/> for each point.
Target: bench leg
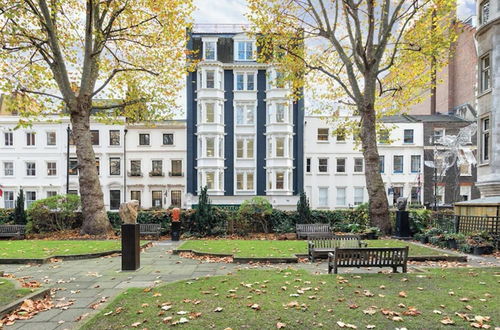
<point x="312" y="256"/>
<point x="329" y="268"/>
<point x="405" y="269"/>
<point x="335" y="270"/>
<point x="394" y="269"/>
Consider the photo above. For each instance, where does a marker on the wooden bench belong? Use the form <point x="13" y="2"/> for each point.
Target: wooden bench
<point x="150" y="229"/>
<point x="319" y="245"/>
<point x="306" y="229"/>
<point x="12" y="230"/>
<point x="368" y="257"/>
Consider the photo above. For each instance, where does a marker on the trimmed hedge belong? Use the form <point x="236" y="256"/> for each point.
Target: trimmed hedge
<point x="6" y="216"/>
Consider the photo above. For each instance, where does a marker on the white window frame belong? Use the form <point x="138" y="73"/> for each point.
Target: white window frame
<point x="320" y="166"/>
<point x="485" y="136"/>
<point x="30" y="139"/>
<point x="466" y="190"/>
<point x="485" y="73"/>
<point x="28" y="169"/>
<point x="409" y="130"/>
<point x="5" y="168"/>
<point x="323" y="200"/>
<point x="362" y="165"/>
<point x="49" y="169"/>
<point x="245" y="75"/>
<point x="8" y="141"/>
<point x="248" y="112"/>
<point x="419" y="163"/>
<point x="482" y="19"/>
<point x="207" y="41"/>
<point x="356" y="197"/>
<point x="320" y="136"/>
<point x="344" y="203"/>
<point x="236" y="50"/>
<point x="469" y="169"/>
<point x="337" y="165"/>
<point x="7" y="202"/>
<point x="30" y="201"/>
<point x="47" y="134"/>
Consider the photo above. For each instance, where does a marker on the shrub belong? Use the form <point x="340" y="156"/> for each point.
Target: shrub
<point x="303" y="208"/>
<point x="420" y="219"/>
<point x="19" y="212"/>
<point x="6" y="216"/>
<point x="55" y="213"/>
<point x="253" y="215"/>
<point x="204" y="220"/>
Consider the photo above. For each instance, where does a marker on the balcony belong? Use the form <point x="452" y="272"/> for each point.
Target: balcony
<point x="135" y="173"/>
<point x="180" y="174"/>
<point x="156" y="173"/>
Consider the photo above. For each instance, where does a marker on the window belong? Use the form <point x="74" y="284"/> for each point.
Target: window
<point x="384" y="136"/>
<point x="323" y="196"/>
<point x="210" y="79"/>
<point x="144" y="139"/>
<point x="51" y="138"/>
<point x="209" y="112"/>
<point x="340" y="165"/>
<point x="484" y="12"/>
<point x="280" y="180"/>
<point x="210" y="48"/>
<point x="157" y="199"/>
<point x="9" y="139"/>
<point x="114" y="137"/>
<point x="280" y="112"/>
<point x="239" y="181"/>
<point x="8" y="199"/>
<point x="51" y="168"/>
<point x="250" y="148"/>
<point x="210" y="147"/>
<point x="8" y="168"/>
<point x="341" y="136"/>
<point x="73" y="192"/>
<point x="98" y="165"/>
<point x="51" y="193"/>
<point x="415" y="163"/>
<point x="168" y="139"/>
<point x="438" y="134"/>
<point x="176" y="167"/>
<point x="323" y="165"/>
<point x="280" y="79"/>
<point x="396" y="193"/>
<point x="245" y="114"/>
<point x="485" y="73"/>
<point x="114" y="199"/>
<point x="341" y="197"/>
<point x="176" y="198"/>
<point x="30" y="139"/>
<point x="30" y="169"/>
<point x="210" y="180"/>
<point x="440" y="195"/>
<point x="94" y="134"/>
<point x="73" y="166"/>
<point x="135" y="195"/>
<point x="114" y="166"/>
<point x="323" y="134"/>
<point x="156" y="168"/>
<point x="465" y="192"/>
<point x="280" y="147"/>
<point x="398" y="164"/>
<point x="244" y="51"/>
<point x="415" y="195"/>
<point x="359" y="193"/>
<point x="250" y="184"/>
<point x="245" y="81"/>
<point x="465" y="169"/>
<point x="358" y="165"/>
<point x="485" y="139"/>
<point x="30" y="198"/>
<point x="135" y="168"/>
<point x="308" y="165"/>
<point x="408" y="136"/>
<point x="381" y="163"/>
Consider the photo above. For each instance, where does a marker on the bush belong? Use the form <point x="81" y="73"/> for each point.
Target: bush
<point x="420" y="219"/>
<point x="19" y="212"/>
<point x="303" y="208"/>
<point x="55" y="213"/>
<point x="253" y="215"/>
<point x="6" y="216"/>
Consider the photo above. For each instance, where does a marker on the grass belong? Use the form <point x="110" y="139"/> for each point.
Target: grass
<point x="269" y="248"/>
<point x="305" y="301"/>
<point x="34" y="249"/>
<point x="9" y="292"/>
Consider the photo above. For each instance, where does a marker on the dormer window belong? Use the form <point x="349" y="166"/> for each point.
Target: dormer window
<point x="484" y="12"/>
<point x="244" y="50"/>
<point x="210" y="50"/>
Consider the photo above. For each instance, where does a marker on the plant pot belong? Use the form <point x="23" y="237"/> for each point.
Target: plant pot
<point x="452" y="244"/>
<point x="479" y="250"/>
<point x="424" y="239"/>
<point x="370" y="236"/>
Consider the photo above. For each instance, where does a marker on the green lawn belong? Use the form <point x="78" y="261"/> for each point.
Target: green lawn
<point x="9" y="293"/>
<point x="42" y="249"/>
<point x="301" y="300"/>
<point x="268" y="248"/>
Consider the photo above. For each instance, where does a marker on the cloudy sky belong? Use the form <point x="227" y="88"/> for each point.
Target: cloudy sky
<point x="232" y="11"/>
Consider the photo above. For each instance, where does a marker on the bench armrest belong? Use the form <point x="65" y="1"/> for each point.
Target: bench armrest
<point x="330" y="256"/>
<point x="311" y="245"/>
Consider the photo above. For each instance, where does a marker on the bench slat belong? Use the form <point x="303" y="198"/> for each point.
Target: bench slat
<point x="368" y="257"/>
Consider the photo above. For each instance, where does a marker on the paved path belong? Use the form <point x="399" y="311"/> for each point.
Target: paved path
<point x="87" y="281"/>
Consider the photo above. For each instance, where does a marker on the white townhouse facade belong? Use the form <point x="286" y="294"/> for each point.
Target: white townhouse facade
<point x="36" y="160"/>
<point x="334" y="171"/>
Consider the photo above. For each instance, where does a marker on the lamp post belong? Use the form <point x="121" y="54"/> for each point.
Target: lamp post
<point x="125" y="165"/>
<point x="68" y="131"/>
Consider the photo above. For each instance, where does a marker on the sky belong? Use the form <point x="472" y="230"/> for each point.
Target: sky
<point x="232" y="11"/>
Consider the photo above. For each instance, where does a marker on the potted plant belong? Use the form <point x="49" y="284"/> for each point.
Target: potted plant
<point x="480" y="244"/>
<point x="433" y="235"/>
<point x="453" y="240"/>
<point x="422" y="237"/>
<point x="371" y="233"/>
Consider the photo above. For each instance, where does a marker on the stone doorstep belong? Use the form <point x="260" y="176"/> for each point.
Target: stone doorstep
<point x="4" y="310"/>
<point x="40" y="261"/>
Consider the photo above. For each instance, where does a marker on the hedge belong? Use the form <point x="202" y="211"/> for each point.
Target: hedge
<point x="6" y="216"/>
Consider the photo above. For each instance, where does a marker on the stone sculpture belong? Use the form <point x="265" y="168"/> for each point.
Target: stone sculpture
<point x="401" y="203"/>
<point x="128" y="212"/>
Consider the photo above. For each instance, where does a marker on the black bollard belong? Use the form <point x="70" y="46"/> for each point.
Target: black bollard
<point x="176" y="230"/>
<point x="131" y="249"/>
<point x="402" y="225"/>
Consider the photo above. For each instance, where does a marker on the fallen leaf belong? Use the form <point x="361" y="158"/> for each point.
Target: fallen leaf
<point x="136" y="324"/>
<point x="397" y="318"/>
<point x="280" y="325"/>
<point x="403" y="294"/>
<point x="218" y="309"/>
<point x="447" y="321"/>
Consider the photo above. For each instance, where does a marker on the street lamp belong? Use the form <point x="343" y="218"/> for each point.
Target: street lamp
<point x="68" y="131"/>
<point x="125" y="165"/>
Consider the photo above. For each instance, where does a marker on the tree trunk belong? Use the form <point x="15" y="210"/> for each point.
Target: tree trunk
<point x="379" y="207"/>
<point x="95" y="218"/>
